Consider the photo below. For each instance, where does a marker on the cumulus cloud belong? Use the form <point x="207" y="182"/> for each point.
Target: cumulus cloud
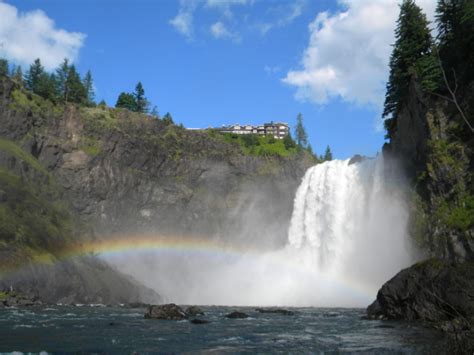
<point x="348" y="53"/>
<point x="220" y="31"/>
<point x="27" y="36"/>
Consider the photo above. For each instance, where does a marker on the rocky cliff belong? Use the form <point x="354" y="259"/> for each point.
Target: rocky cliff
<point x="431" y="143"/>
<point x="118" y="172"/>
<point x="434" y="147"/>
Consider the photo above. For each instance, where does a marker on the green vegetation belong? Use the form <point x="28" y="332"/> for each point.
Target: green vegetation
<point x="256" y="145"/>
<point x="411" y="56"/>
<point x="300" y="132"/>
<point x="26" y="102"/>
<point x="327" y="154"/>
<point x="14" y="150"/>
<point x="443" y="70"/>
<point x="91" y="146"/>
<point x="99" y="120"/>
<point x="29" y="218"/>
<point x="34" y="223"/>
<point x="136" y="102"/>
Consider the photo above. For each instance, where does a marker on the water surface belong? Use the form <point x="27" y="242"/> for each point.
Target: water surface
<point x="109" y="329"/>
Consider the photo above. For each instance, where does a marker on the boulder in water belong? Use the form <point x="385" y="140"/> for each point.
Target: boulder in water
<point x="165" y="311"/>
<point x="282" y="311"/>
<point x="431" y="291"/>
<point x="236" y="315"/>
<point x="193" y="311"/>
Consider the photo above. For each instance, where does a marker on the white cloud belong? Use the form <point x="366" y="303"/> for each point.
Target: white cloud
<point x="183" y="21"/>
<point x="348" y="53"/>
<point x="27" y="36"/>
<point x="220" y="31"/>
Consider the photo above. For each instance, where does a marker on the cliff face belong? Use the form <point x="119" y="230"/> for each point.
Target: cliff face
<point x="128" y="173"/>
<point x="123" y="173"/>
<point x="439" y="164"/>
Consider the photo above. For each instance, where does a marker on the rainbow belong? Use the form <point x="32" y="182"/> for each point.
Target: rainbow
<point x="199" y="247"/>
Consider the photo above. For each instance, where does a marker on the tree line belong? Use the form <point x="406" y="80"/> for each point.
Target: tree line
<point x="442" y="65"/>
<point x="63" y="85"/>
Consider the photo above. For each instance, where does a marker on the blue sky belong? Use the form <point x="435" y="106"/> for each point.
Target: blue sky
<point x="214" y="62"/>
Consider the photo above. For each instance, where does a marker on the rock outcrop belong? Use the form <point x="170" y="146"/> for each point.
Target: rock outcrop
<point x="435" y="293"/>
<point x="431" y="291"/>
<point x="10" y="298"/>
<point x="166" y="312"/>
<point x="439" y="164"/>
<point x="194" y="311"/>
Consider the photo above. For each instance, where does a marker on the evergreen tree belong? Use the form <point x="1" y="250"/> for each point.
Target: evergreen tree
<point x="327" y="154"/>
<point x="455" y="20"/>
<point x="413" y="43"/>
<point x="167" y="119"/>
<point x="33" y="76"/>
<point x="300" y="132"/>
<point x="3" y="67"/>
<point x="89" y="87"/>
<point x="126" y="100"/>
<point x="62" y="73"/>
<point x="102" y="104"/>
<point x="76" y="92"/>
<point x="140" y="99"/>
<point x="40" y="82"/>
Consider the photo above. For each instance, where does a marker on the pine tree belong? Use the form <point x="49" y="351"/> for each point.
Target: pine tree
<point x="126" y="100"/>
<point x="140" y="99"/>
<point x="62" y="73"/>
<point x="413" y="43"/>
<point x="33" y="76"/>
<point x="3" y="67"/>
<point x="300" y="132"/>
<point x="74" y="87"/>
<point x="455" y="20"/>
<point x="167" y="119"/>
<point x="327" y="154"/>
<point x="40" y="82"/>
<point x="89" y="87"/>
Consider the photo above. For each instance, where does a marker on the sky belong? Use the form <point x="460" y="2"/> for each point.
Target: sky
<point x="219" y="62"/>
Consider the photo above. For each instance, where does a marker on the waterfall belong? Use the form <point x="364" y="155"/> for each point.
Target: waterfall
<point x="347" y="236"/>
<point x="348" y="223"/>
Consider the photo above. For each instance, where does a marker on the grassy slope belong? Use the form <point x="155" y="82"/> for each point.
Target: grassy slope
<point x="34" y="224"/>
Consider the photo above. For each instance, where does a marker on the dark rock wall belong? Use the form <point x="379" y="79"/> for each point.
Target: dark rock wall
<point x="438" y="164"/>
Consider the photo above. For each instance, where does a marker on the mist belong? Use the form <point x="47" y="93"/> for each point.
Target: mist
<point x="346" y="236"/>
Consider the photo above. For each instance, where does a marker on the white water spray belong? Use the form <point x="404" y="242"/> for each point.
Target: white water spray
<point x="347" y="237"/>
<point x="349" y="224"/>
